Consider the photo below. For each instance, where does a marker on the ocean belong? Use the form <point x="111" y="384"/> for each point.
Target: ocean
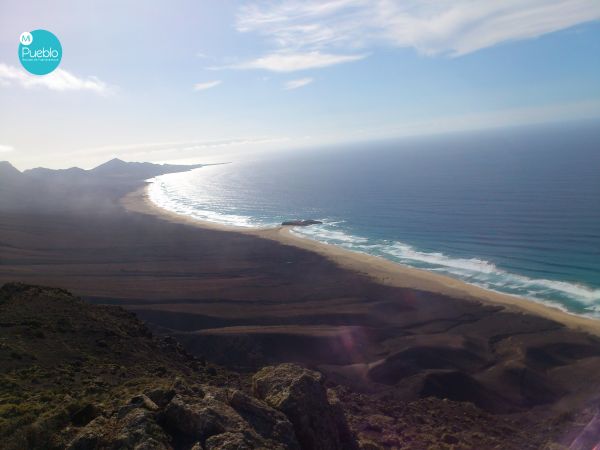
<point x="514" y="210"/>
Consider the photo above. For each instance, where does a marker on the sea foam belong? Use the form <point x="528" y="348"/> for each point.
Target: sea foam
<point x="472" y="270"/>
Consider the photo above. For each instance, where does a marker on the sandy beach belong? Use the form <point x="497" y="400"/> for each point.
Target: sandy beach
<point x="247" y="298"/>
<point x="378" y="269"/>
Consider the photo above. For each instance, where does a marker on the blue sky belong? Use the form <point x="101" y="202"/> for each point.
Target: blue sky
<point x="193" y="81"/>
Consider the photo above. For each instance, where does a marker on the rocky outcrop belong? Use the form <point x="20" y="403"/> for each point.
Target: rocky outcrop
<point x="267" y="421"/>
<point x="198" y="417"/>
<point x="319" y="422"/>
<point x="137" y="429"/>
<point x="292" y="410"/>
<point x="301" y="223"/>
<point x="108" y="383"/>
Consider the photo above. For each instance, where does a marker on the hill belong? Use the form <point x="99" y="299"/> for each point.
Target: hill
<point x="42" y="190"/>
<point x="79" y="376"/>
<point x="8" y="171"/>
<point x="116" y="168"/>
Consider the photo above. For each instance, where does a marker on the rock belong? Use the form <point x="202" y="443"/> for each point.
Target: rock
<point x="299" y="393"/>
<point x="139" y="401"/>
<point x="237" y="441"/>
<point x="201" y="419"/>
<point x="161" y="397"/>
<point x="139" y="430"/>
<point x="91" y="436"/>
<point x="144" y="402"/>
<point x="345" y="434"/>
<point x="301" y="223"/>
<point x="225" y="420"/>
<point x="209" y="417"/>
<point x="85" y="415"/>
<point x="269" y="423"/>
<point x="136" y="430"/>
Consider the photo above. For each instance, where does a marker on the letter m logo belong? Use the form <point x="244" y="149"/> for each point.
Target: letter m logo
<point x="26" y="38"/>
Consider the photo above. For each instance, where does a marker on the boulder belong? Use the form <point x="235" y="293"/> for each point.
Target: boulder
<point x="225" y="419"/>
<point x="201" y="418"/>
<point x="92" y="436"/>
<point x="300" y="394"/>
<point x="269" y="423"/>
<point x="237" y="441"/>
<point x="136" y="430"/>
<point x="205" y="417"/>
<point x="139" y="401"/>
<point x="139" y="430"/>
<point x="161" y="397"/>
<point x="85" y="415"/>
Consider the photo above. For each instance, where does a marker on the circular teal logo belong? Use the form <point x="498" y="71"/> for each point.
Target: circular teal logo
<point x="40" y="51"/>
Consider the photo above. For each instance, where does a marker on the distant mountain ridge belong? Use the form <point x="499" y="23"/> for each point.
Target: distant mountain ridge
<point x="119" y="168"/>
<point x="42" y="171"/>
<point x="43" y="189"/>
<point x="8" y="170"/>
<point x="115" y="168"/>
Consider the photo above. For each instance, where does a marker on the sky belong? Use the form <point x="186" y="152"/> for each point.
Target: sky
<point x="207" y="81"/>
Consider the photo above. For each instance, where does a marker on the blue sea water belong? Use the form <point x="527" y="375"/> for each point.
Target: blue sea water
<point x="514" y="210"/>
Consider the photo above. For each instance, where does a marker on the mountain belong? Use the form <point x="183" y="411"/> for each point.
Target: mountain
<point x="116" y="168"/>
<point x="8" y="172"/>
<point x="40" y="172"/>
<point x="90" y="191"/>
<point x="11" y="185"/>
<point x="82" y="376"/>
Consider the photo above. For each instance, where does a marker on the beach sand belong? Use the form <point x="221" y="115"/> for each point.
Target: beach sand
<point x="378" y="269"/>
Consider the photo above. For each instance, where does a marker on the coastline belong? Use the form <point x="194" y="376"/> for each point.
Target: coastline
<point x="378" y="269"/>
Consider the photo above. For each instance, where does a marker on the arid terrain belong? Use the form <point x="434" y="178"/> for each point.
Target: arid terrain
<point x="411" y="368"/>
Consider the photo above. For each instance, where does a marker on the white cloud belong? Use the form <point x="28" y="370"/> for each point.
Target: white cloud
<point x="173" y="146"/>
<point x="6" y="148"/>
<point x="207" y="85"/>
<point x="194" y="151"/>
<point x="290" y="61"/>
<point x="431" y="27"/>
<point x="295" y="84"/>
<point x="59" y="80"/>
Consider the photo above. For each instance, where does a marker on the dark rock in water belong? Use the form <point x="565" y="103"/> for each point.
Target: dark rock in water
<point x="301" y="223"/>
<point x="299" y="393"/>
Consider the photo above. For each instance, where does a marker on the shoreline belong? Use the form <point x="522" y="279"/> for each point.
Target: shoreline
<point x="376" y="268"/>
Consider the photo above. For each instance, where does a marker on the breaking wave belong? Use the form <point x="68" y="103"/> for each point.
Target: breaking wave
<point x="472" y="270"/>
<point x="186" y="199"/>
